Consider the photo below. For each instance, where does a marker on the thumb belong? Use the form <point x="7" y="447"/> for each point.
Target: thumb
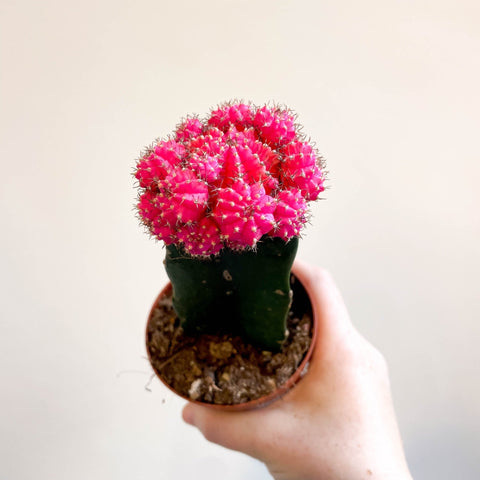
<point x="336" y="337"/>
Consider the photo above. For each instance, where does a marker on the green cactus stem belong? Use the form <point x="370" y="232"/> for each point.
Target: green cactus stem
<point x="243" y="293"/>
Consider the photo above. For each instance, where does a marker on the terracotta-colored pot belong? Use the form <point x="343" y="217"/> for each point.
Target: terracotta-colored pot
<point x="259" y="402"/>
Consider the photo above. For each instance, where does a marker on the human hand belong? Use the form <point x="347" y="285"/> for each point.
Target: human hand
<point x="337" y="423"/>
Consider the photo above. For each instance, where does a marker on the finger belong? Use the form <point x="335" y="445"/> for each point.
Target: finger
<point x="327" y="302"/>
<point x="233" y="430"/>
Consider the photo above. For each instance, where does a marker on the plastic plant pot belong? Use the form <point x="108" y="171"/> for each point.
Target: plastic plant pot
<point x="281" y="390"/>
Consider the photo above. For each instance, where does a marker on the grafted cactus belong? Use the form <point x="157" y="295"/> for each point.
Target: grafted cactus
<point x="228" y="196"/>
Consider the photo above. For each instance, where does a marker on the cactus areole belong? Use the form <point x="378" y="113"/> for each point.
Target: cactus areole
<point x="228" y="196"/>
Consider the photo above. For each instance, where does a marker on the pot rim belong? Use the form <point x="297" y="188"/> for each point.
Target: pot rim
<point x="262" y="401"/>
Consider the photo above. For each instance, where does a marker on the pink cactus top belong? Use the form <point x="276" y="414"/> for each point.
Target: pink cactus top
<point x="242" y="173"/>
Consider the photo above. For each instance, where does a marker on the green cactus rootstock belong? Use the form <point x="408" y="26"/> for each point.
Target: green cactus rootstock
<point x="243" y="293"/>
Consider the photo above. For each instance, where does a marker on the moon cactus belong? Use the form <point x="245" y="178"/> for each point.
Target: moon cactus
<point x="228" y="196"/>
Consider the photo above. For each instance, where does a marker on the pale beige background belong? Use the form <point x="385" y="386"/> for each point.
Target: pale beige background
<point x="389" y="90"/>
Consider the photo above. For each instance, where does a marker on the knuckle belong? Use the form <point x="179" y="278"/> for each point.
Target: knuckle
<point x="210" y="432"/>
<point x="378" y="360"/>
<point x="208" y="428"/>
<point x="363" y="352"/>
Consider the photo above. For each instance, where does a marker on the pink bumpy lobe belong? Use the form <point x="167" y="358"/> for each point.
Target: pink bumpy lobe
<point x="190" y="128"/>
<point x="148" y="211"/>
<point x="163" y="232"/>
<point x="171" y="151"/>
<point x="254" y="168"/>
<point x="276" y="126"/>
<point x="202" y="238"/>
<point x="182" y="197"/>
<point x="239" y="114"/>
<point x="158" y="162"/>
<point x="248" y="159"/>
<point x="267" y="155"/>
<point x="237" y="136"/>
<point x="290" y="214"/>
<point x="300" y="169"/>
<point x="211" y="143"/>
<point x="206" y="166"/>
<point x="232" y="167"/>
<point x="244" y="213"/>
<point x="153" y="218"/>
<point x="205" y="155"/>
